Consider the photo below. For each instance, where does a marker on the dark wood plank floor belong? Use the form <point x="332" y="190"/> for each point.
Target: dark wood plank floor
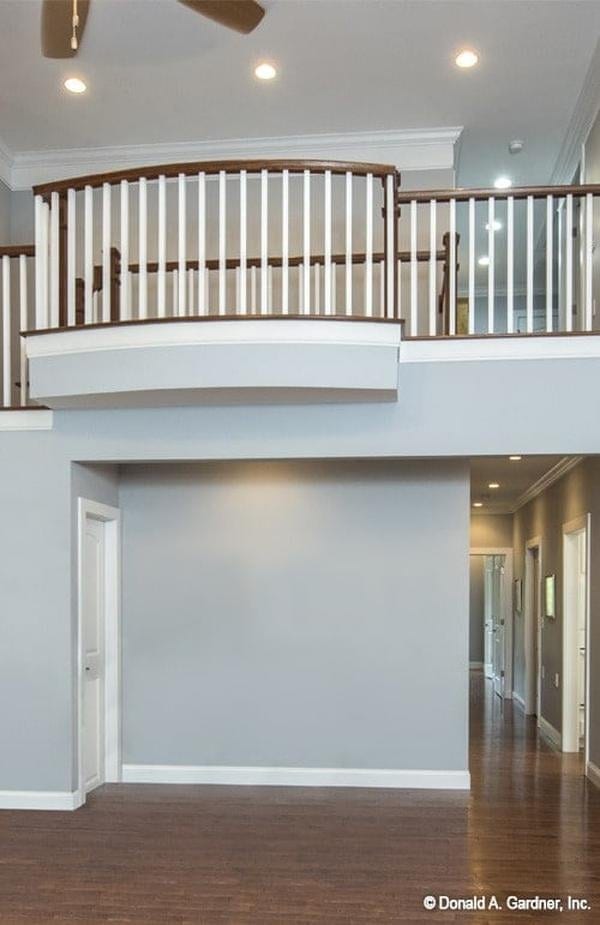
<point x="155" y="854"/>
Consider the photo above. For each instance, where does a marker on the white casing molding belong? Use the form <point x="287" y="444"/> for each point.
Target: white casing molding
<point x="593" y="773"/>
<point x="476" y="349"/>
<point x="40" y="799"/>
<point x="26" y="420"/>
<point x="407" y="149"/>
<point x="296" y="777"/>
<point x="518" y="700"/>
<point x="550" y="734"/>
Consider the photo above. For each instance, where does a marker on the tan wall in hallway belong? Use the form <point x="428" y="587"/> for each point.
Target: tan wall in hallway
<point x="492" y="530"/>
<point x="574" y="495"/>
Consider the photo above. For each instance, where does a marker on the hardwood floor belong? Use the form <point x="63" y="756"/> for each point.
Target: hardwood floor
<point x="182" y="854"/>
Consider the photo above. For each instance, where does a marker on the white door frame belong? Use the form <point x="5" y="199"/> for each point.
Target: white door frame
<point x="111" y="517"/>
<point x="533" y="624"/>
<point x="507" y="552"/>
<point x="570" y="732"/>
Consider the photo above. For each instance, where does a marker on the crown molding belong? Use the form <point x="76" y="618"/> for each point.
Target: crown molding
<point x="584" y="115"/>
<point x="553" y="474"/>
<point x="407" y="149"/>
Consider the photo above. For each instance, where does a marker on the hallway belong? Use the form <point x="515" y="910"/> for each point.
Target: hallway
<point x="161" y="854"/>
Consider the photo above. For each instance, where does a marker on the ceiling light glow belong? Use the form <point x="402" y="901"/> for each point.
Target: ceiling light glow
<point x="466" y="58"/>
<point x="265" y="71"/>
<point x="502" y="182"/>
<point x="496" y="225"/>
<point x="484" y="261"/>
<point x="75" y="85"/>
<point x="494" y="485"/>
<point x="478" y="504"/>
<point x="515" y="458"/>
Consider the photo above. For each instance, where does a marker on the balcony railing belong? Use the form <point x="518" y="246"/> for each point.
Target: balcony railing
<point x="298" y="239"/>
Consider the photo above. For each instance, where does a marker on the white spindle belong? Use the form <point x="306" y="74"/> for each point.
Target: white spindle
<point x="432" y="266"/>
<point x="175" y="293"/>
<point x="222" y="240"/>
<point x="327" y="248"/>
<point x="269" y="290"/>
<point x="71" y="256"/>
<point x="317" y="299"/>
<point x="452" y="270"/>
<point x="54" y="259"/>
<point x="206" y="289"/>
<point x="333" y="288"/>
<point x="529" y="286"/>
<point x="491" y="266"/>
<point x="23" y="324"/>
<point x="349" y="266"/>
<point x="88" y="255"/>
<point x="142" y="248"/>
<point x="106" y="245"/>
<point x="202" y="273"/>
<point x="569" y="264"/>
<point x="125" y="304"/>
<point x="161" y="278"/>
<point x="510" y="264"/>
<point x="285" y="241"/>
<point x="414" y="307"/>
<point x="243" y="272"/>
<point x="471" y="323"/>
<point x="37" y="235"/>
<point x="305" y="304"/>
<point x="390" y="256"/>
<point x="181" y="244"/>
<point x="369" y="247"/>
<point x="190" y="292"/>
<point x="6" y="334"/>
<point x="253" y="289"/>
<point x="264" y="240"/>
<point x="589" y="248"/>
<point x="382" y="288"/>
<point x="549" y="259"/>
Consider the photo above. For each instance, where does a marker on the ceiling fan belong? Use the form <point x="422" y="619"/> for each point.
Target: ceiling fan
<point x="63" y="21"/>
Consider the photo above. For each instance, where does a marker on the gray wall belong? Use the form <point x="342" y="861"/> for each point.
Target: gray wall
<point x="476" y="607"/>
<point x="284" y="614"/>
<point x="577" y="493"/>
<point x="4" y="214"/>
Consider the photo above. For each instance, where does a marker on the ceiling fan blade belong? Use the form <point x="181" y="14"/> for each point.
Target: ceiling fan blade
<point x="241" y="15"/>
<point x="57" y="27"/>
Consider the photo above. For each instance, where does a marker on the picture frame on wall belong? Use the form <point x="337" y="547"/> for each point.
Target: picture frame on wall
<point x="550" y="596"/>
<point x="518" y="594"/>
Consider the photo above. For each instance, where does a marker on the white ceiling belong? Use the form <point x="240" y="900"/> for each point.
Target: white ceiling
<point x="515" y="478"/>
<point x="159" y="72"/>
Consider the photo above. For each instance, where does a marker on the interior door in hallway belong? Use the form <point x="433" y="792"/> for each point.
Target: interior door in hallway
<point x="92" y="648"/>
<point x="496" y="586"/>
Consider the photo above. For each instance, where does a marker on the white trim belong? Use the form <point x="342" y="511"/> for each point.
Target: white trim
<point x="553" y="474"/>
<point x="473" y="665"/>
<point x="112" y="638"/>
<point x="570" y="722"/>
<point x="524" y="347"/>
<point x="592" y="772"/>
<point x="407" y="149"/>
<point x="295" y="777"/>
<point x="584" y="115"/>
<point x="236" y="331"/>
<point x="533" y="698"/>
<point x="26" y="420"/>
<point x="519" y="701"/>
<point x="40" y="799"/>
<point x="507" y="552"/>
<point x="549" y="733"/>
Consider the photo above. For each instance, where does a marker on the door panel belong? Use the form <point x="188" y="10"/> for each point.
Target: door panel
<point x="92" y="627"/>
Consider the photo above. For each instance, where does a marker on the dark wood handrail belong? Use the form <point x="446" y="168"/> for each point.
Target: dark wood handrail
<point x="515" y="192"/>
<point x="153" y="172"/>
<point x="17" y="250"/>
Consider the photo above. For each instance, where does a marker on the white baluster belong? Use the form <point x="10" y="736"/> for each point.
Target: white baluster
<point x="39" y="307"/>
<point x="88" y="253"/>
<point x="285" y="241"/>
<point x="549" y="260"/>
<point x="382" y="288"/>
<point x="190" y="296"/>
<point x="243" y="271"/>
<point x="71" y="256"/>
<point x="222" y="240"/>
<point x="54" y="259"/>
<point x="264" y="240"/>
<point x="414" y="305"/>
<point x="175" y="293"/>
<point x="529" y="293"/>
<point x="327" y="249"/>
<point x="300" y="287"/>
<point x="390" y="258"/>
<point x="269" y="290"/>
<point x="6" y="334"/>
<point x="202" y="273"/>
<point x="333" y="288"/>
<point x="305" y="305"/>
<point x="510" y="264"/>
<point x="589" y="249"/>
<point x="452" y="271"/>
<point x="349" y="265"/>
<point x="491" y="266"/>
<point x="161" y="279"/>
<point x="471" y="325"/>
<point x="142" y="248"/>
<point x="369" y="247"/>
<point x="23" y="324"/>
<point x="125" y="303"/>
<point x="569" y="264"/>
<point x="432" y="267"/>
<point x="253" y="290"/>
<point x="106" y="245"/>
<point x="317" y="300"/>
<point x="181" y="244"/>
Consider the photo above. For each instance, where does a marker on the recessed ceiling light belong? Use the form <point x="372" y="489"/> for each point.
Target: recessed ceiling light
<point x="478" y="504"/>
<point x="516" y="146"/>
<point x="494" y="485"/>
<point x="265" y="71"/>
<point x="466" y="58"/>
<point x="75" y="85"/>
<point x="515" y="458"/>
<point x="502" y="182"/>
<point x="484" y="261"/>
<point x="496" y="225"/>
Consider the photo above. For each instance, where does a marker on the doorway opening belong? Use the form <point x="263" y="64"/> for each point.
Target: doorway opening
<point x="490" y="644"/>
<point x="533" y="627"/>
<point x="575" y="613"/>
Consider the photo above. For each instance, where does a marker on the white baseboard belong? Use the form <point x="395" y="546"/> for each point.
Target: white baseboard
<point x="593" y="773"/>
<point x="40" y="799"/>
<point x="295" y="777"/>
<point x="519" y="701"/>
<point x="475" y="664"/>
<point x="552" y="735"/>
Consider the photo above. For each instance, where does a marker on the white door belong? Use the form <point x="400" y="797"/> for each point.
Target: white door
<point x="488" y="636"/>
<point x="497" y="604"/>
<point x="581" y="631"/>
<point x="92" y="627"/>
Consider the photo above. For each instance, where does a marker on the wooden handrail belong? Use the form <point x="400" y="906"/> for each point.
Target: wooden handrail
<point x="515" y="192"/>
<point x="17" y="250"/>
<point x="211" y="168"/>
